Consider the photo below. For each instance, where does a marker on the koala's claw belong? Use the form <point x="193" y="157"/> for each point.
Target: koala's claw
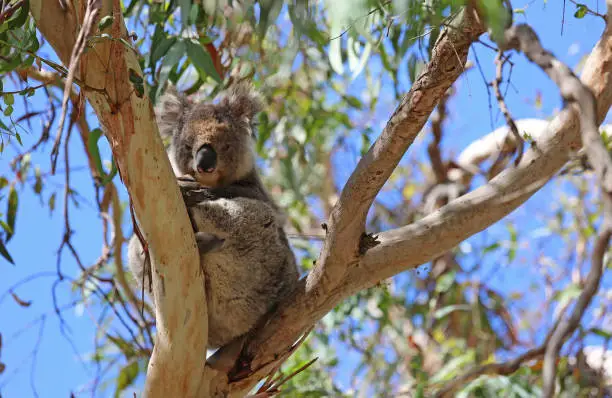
<point x="187" y="183"/>
<point x="193" y="193"/>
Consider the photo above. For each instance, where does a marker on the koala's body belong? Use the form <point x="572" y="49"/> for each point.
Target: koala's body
<point x="245" y="256"/>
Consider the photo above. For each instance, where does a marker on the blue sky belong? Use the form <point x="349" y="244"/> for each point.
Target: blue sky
<point x="56" y="367"/>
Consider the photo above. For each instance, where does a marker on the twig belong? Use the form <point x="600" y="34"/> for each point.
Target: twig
<point x="523" y="38"/>
<point x="91" y="14"/>
<point x="30" y="278"/>
<point x="488" y="87"/>
<point x="433" y="149"/>
<point x="588" y="10"/>
<point x="112" y="199"/>
<point x="23" y="90"/>
<point x="499" y="62"/>
<point x="503" y="369"/>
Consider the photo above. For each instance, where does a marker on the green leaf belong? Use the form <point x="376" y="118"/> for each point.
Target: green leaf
<point x="9" y="99"/>
<point x="92" y="147"/>
<point x="202" y="60"/>
<point x="445" y="282"/>
<point x="602" y="333"/>
<point x="353" y="101"/>
<point x="444" y="311"/>
<point x="569" y="293"/>
<point x="18" y="137"/>
<point x="335" y="55"/>
<point x="126" y="377"/>
<point x="8" y="111"/>
<point x="357" y="61"/>
<point x="11" y="215"/>
<point x="175" y="53"/>
<point x="52" y="202"/>
<point x="513" y="242"/>
<point x="38" y="184"/>
<point x="5" y="253"/>
<point x="105" y="22"/>
<point x="452" y="367"/>
<point x="125" y="347"/>
<point x="185" y="9"/>
<point x="491" y="247"/>
<point x="497" y="17"/>
<point x="161" y="49"/>
<point x="21" y="17"/>
<point x="581" y="11"/>
<point x="268" y="13"/>
<point x="6" y="227"/>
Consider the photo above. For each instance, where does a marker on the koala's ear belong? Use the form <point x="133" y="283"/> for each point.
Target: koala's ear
<point x="171" y="110"/>
<point x="243" y="101"/>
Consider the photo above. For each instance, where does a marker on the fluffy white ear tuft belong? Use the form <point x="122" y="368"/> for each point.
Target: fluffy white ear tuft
<point x="171" y="110"/>
<point x="243" y="101"/>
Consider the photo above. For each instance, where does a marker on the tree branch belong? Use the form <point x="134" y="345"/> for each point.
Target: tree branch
<point x="407" y="247"/>
<point x="523" y="38"/>
<point x="325" y="285"/>
<point x="177" y="364"/>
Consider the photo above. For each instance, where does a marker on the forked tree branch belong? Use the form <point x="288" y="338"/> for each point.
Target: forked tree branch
<point x="408" y="247"/>
<point x="325" y="286"/>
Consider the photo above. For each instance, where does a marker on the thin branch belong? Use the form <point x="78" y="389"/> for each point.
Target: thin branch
<point x="588" y="10"/>
<point x="498" y="369"/>
<point x="91" y="15"/>
<point x="499" y="62"/>
<point x="524" y="39"/>
<point x="23" y="90"/>
<point x="433" y="149"/>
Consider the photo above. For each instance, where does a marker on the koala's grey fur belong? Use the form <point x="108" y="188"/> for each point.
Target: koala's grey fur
<point x="244" y="253"/>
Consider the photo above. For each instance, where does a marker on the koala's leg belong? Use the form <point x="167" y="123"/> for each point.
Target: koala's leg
<point x="136" y="260"/>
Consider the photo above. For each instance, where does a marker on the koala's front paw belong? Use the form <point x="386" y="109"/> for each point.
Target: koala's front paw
<point x="193" y="193"/>
<point x="187" y="183"/>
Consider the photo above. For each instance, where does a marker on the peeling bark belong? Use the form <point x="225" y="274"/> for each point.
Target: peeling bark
<point x="178" y="358"/>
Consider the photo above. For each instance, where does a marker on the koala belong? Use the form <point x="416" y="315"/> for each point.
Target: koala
<point x="245" y="256"/>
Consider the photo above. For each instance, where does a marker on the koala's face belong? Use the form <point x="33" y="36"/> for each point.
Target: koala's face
<point x="213" y="147"/>
<point x="214" y="143"/>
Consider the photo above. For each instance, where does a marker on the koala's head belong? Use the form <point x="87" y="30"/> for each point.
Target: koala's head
<point x="214" y="143"/>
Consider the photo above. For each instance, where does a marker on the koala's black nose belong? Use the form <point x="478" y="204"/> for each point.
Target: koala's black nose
<point x="206" y="159"/>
